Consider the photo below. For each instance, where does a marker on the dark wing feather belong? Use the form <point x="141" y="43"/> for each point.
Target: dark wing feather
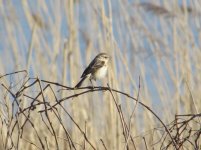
<point x="93" y="66"/>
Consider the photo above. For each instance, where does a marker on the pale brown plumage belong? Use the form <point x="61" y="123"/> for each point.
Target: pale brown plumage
<point x="97" y="69"/>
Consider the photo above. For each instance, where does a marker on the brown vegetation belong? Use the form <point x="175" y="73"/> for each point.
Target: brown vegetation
<point x="55" y="40"/>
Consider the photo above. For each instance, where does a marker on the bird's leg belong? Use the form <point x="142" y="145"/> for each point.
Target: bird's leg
<point x="91" y="83"/>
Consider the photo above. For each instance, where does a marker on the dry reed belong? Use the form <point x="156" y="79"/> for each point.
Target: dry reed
<point x="55" y="40"/>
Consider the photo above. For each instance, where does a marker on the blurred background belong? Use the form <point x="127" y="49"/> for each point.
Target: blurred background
<point x="158" y="41"/>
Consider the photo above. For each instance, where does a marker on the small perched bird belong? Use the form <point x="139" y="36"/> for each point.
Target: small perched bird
<point x="97" y="69"/>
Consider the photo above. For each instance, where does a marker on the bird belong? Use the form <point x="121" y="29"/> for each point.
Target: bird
<point x="97" y="69"/>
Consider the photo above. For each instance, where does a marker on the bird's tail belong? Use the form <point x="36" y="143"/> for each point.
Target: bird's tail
<point x="80" y="83"/>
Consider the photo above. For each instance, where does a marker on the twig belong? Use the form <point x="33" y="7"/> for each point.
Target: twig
<point x="145" y="143"/>
<point x="120" y="115"/>
<point x="132" y="114"/>
<point x="103" y="144"/>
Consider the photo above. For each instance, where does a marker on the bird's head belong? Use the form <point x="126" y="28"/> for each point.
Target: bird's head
<point x="103" y="57"/>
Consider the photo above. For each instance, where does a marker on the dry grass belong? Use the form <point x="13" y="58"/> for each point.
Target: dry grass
<point x="52" y="40"/>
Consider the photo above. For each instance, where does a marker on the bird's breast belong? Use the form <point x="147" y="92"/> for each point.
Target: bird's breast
<point x="101" y="73"/>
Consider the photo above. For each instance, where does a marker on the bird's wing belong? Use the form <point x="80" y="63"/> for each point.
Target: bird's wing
<point x="93" y="66"/>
